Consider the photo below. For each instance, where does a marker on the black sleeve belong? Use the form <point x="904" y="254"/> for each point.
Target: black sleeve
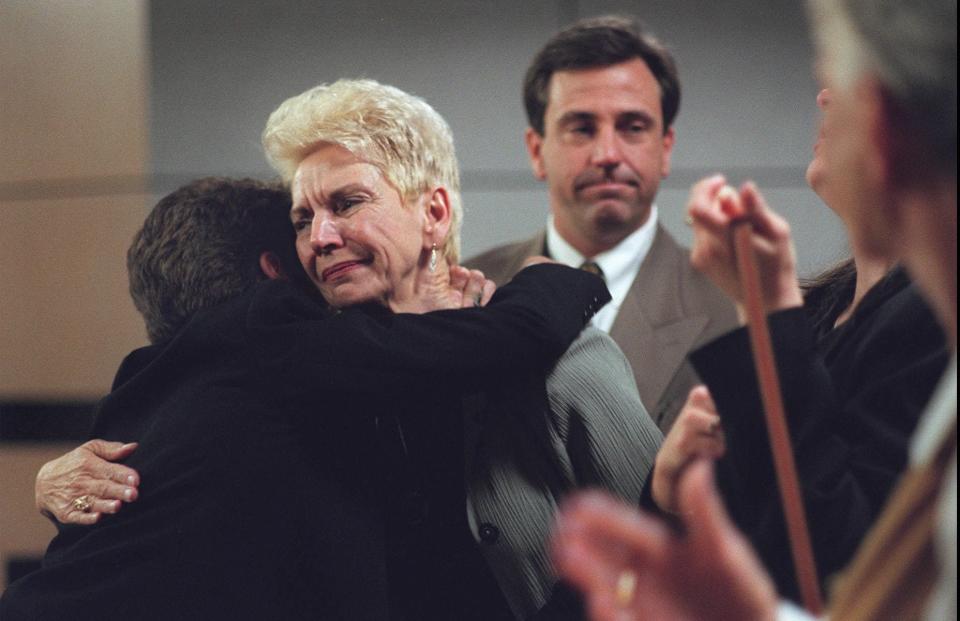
<point x="850" y="441"/>
<point x="527" y="325"/>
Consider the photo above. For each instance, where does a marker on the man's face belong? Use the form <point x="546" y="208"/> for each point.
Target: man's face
<point x="355" y="238"/>
<point x="603" y="152"/>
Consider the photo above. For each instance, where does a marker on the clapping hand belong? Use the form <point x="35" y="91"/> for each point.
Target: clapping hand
<point x="630" y="565"/>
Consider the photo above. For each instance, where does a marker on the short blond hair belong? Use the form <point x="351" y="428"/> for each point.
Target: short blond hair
<point x="400" y="134"/>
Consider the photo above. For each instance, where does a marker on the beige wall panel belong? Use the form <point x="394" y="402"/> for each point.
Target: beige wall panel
<point x="74" y="96"/>
<point x="73" y="165"/>
<point x="23" y="531"/>
<point x="64" y="305"/>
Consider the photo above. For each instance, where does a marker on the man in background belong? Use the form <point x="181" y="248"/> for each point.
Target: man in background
<point x="601" y="98"/>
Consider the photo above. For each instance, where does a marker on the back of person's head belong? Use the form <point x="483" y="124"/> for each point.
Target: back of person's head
<point x="910" y="48"/>
<point x="599" y="42"/>
<point x="201" y="245"/>
<point x="400" y="134"/>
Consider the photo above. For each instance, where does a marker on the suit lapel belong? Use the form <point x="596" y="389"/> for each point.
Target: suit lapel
<point x="535" y="246"/>
<point x="501" y="265"/>
<point x="652" y="328"/>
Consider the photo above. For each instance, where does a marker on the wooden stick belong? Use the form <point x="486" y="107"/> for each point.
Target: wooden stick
<point x="777" y="430"/>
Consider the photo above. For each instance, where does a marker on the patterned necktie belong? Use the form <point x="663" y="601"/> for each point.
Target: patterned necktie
<point x="593" y="268"/>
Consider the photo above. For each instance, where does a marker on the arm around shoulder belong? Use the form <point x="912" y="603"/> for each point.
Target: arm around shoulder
<point x="527" y="325"/>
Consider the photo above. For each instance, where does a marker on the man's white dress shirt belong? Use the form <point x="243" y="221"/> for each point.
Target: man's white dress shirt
<point x="620" y="264"/>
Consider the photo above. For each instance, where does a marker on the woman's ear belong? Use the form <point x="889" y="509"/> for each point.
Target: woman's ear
<point x="437" y="214"/>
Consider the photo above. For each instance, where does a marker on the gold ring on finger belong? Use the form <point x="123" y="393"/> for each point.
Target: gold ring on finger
<point x="83" y="504"/>
<point x="626" y="586"/>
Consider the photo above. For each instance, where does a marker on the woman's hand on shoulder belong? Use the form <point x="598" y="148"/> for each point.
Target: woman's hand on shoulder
<point x="445" y="288"/>
<point x="82" y="485"/>
<point x="473" y="288"/>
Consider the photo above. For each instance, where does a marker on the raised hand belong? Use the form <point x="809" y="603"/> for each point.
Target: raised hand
<point x="696" y="433"/>
<point x="713" y="209"/>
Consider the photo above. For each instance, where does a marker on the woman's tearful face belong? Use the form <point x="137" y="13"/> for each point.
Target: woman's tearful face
<point x="356" y="239"/>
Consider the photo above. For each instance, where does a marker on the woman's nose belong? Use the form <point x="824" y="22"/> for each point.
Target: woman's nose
<point x="823" y="98"/>
<point x="325" y="235"/>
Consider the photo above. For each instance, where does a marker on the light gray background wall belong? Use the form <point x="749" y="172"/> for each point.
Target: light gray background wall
<point x="219" y="69"/>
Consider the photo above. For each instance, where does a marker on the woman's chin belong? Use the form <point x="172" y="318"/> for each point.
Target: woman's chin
<point x="817" y="180"/>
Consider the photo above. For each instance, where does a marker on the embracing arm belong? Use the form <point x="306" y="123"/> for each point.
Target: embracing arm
<point x="527" y="325"/>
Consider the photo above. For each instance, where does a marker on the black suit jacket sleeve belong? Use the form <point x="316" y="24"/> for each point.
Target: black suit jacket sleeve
<point x="849" y="424"/>
<point x="527" y="325"/>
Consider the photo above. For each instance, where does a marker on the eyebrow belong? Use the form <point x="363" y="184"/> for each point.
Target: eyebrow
<point x="338" y="194"/>
<point x="348" y="189"/>
<point x="631" y="115"/>
<point x="574" y="116"/>
<point x="298" y="211"/>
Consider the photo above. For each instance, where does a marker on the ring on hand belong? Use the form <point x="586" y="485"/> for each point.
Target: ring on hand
<point x="477" y="299"/>
<point x="626" y="586"/>
<point x="83" y="503"/>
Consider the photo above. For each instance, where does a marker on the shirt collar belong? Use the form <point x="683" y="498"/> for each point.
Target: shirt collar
<point x="623" y="259"/>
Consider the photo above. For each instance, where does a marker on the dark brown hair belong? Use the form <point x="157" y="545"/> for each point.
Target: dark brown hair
<point x="600" y="42"/>
<point x="201" y="245"/>
<point x="828" y="294"/>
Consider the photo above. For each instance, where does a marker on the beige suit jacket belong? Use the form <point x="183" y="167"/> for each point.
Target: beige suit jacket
<point x="670" y="310"/>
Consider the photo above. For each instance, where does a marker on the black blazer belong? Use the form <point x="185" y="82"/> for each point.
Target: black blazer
<point x="853" y="398"/>
<point x="260" y="452"/>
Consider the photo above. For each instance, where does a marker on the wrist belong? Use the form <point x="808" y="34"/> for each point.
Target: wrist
<point x="787" y="296"/>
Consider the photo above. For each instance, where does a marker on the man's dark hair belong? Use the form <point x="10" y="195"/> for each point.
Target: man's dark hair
<point x="201" y="246"/>
<point x="600" y="42"/>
